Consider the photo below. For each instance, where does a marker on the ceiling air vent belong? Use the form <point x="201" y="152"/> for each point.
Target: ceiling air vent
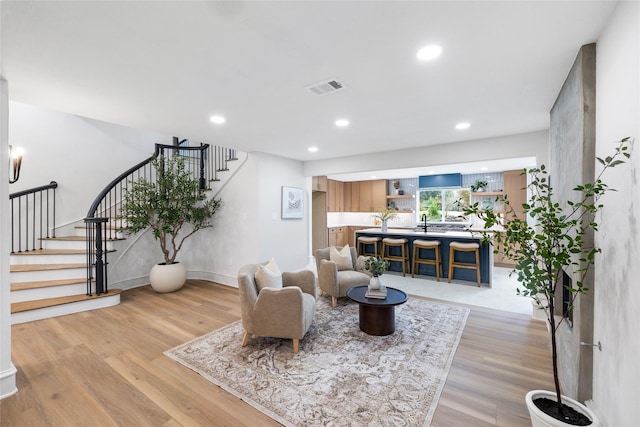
<point x="325" y="87"/>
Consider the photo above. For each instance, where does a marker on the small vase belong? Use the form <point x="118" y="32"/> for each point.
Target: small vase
<point x="375" y="283"/>
<point x="384" y="226"/>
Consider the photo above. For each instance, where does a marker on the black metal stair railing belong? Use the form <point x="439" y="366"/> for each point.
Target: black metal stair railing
<point x="102" y="222"/>
<point x="33" y="217"/>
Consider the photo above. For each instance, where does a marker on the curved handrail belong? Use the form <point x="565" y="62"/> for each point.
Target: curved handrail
<point x="112" y="184"/>
<point x="119" y="178"/>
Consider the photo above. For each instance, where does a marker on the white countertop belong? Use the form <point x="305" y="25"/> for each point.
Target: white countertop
<point x="413" y="232"/>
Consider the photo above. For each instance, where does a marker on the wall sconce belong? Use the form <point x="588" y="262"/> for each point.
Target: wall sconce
<point x="15" y="162"/>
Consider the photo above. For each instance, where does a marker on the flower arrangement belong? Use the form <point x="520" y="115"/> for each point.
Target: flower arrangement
<point x="385" y="215"/>
<point x="376" y="266"/>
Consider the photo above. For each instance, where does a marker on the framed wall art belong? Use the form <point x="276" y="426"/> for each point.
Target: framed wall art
<point x="292" y="202"/>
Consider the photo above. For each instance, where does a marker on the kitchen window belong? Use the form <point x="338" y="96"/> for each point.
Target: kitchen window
<point x="443" y="205"/>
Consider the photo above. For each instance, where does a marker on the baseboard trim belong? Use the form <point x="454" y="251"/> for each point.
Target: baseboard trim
<point x="8" y="382"/>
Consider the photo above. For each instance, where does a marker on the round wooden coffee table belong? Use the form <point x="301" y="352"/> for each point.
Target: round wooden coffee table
<point x="377" y="316"/>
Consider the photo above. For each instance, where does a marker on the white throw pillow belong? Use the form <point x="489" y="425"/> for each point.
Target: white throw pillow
<point x="268" y="276"/>
<point x="342" y="258"/>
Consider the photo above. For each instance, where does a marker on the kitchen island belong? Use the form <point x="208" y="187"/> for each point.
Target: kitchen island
<point x="445" y="238"/>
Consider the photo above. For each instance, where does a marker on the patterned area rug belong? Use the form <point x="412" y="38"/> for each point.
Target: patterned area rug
<point x="340" y="376"/>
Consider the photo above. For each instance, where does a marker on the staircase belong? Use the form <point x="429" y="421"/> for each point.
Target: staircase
<point x="55" y="276"/>
<point x="52" y="281"/>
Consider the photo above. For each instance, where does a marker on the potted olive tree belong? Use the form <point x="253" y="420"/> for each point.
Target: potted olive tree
<point x="542" y="252"/>
<point x="174" y="208"/>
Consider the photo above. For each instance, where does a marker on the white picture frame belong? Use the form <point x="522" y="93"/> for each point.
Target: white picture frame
<point x="292" y="202"/>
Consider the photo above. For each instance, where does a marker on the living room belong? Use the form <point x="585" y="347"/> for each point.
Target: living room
<point x="56" y="140"/>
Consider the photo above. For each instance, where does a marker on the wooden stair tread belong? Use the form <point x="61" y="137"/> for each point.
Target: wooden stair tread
<point x="105" y="227"/>
<point x="65" y="238"/>
<point x="21" y="286"/>
<point x="72" y="238"/>
<point x="16" y="268"/>
<point x="52" y="252"/>
<point x="18" y="307"/>
<point x="56" y="252"/>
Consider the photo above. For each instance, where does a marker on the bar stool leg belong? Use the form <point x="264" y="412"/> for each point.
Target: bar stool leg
<point x="451" y="255"/>
<point x="413" y="263"/>
<point x="478" y="265"/>
<point x="403" y="259"/>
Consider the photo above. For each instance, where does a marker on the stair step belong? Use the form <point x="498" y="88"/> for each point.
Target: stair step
<point x="19" y="307"/>
<point x="72" y="238"/>
<point x="39" y="284"/>
<point x="51" y="252"/>
<point x="105" y="227"/>
<point x="66" y="238"/>
<point x="18" y="268"/>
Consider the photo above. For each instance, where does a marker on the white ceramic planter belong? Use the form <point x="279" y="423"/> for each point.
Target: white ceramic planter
<point x="540" y="419"/>
<point x="375" y="283"/>
<point x="167" y="278"/>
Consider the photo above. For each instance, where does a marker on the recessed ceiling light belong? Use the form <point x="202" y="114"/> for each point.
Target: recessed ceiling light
<point x="428" y="53"/>
<point x="484" y="168"/>
<point x="217" y="120"/>
<point x="373" y="177"/>
<point x="313" y="149"/>
<point x="463" y="125"/>
<point x="341" y="123"/>
<point x="431" y="172"/>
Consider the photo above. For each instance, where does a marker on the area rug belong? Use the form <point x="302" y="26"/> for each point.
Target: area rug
<point x="340" y="376"/>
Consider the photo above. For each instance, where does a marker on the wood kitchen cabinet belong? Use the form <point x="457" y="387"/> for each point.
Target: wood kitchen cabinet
<point x="347" y="188"/>
<point x="319" y="183"/>
<point x="372" y="195"/>
<point x="338" y="236"/>
<point x="335" y="196"/>
<point x="378" y="195"/>
<point x="365" y="196"/>
<point x="514" y="189"/>
<point x="355" y="196"/>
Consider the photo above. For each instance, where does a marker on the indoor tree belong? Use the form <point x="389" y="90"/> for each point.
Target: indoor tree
<point x="167" y="204"/>
<point x="549" y="240"/>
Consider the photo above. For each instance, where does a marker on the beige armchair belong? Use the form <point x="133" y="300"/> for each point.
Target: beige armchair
<point x="286" y="312"/>
<point x="337" y="282"/>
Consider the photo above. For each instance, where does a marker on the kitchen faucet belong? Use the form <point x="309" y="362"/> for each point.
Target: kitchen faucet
<point x="423" y="218"/>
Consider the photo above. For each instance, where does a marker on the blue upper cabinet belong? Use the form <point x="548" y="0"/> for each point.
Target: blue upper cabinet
<point x="449" y="180"/>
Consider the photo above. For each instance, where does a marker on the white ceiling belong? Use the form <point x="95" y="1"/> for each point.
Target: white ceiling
<point x="169" y="66"/>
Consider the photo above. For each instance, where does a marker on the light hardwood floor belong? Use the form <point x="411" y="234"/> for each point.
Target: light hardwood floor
<point x="106" y="367"/>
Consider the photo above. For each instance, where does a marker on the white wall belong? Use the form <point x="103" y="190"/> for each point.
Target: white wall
<point x="7" y="370"/>
<point x="534" y="144"/>
<point x="247" y="229"/>
<point x="82" y="155"/>
<point x="616" y="380"/>
<point x="288" y="240"/>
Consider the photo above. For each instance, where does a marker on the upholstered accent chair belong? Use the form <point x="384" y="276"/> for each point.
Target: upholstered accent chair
<point x="285" y="312"/>
<point x="335" y="281"/>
